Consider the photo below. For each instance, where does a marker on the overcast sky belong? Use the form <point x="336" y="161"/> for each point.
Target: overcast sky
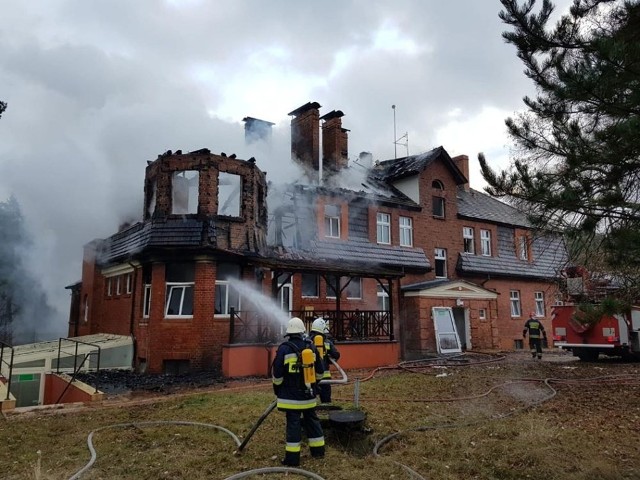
<point x="97" y="88"/>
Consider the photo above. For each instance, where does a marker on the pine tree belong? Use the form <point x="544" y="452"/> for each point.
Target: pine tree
<point x="576" y="155"/>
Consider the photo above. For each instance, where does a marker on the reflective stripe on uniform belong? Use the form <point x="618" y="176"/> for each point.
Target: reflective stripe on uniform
<point x="289" y="404"/>
<point x="319" y="376"/>
<point x="327" y="374"/>
<point x="291" y="362"/>
<point x="316" y="442"/>
<point x="293" y="447"/>
<point x="277" y="380"/>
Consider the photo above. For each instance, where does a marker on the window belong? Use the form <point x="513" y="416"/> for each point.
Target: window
<point x="482" y="314"/>
<point x="438" y="199"/>
<point x="151" y="198"/>
<point x="514" y="295"/>
<point x="146" y="305"/>
<point x="184" y="193"/>
<point x="179" y="281"/>
<point x="441" y="262"/>
<point x="310" y="285"/>
<point x="332" y="286"/>
<point x="438" y="207"/>
<point x="467" y="239"/>
<point x="354" y="288"/>
<point x="229" y="194"/>
<point x="226" y="296"/>
<point x="383" y="223"/>
<point x="539" y="297"/>
<point x="406" y="232"/>
<point x="523" y="247"/>
<point x="118" y="285"/>
<point x="179" y="300"/>
<point x="383" y="299"/>
<point x="332" y="221"/>
<point x="109" y="288"/>
<point x="128" y="283"/>
<point x="485" y="242"/>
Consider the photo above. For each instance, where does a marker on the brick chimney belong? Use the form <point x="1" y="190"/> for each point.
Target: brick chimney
<point x="335" y="153"/>
<point x="256" y="129"/>
<point x="305" y="137"/>
<point x="462" y="162"/>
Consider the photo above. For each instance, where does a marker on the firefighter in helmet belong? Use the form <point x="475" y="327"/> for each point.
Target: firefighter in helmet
<point x="319" y="335"/>
<point x="536" y="333"/>
<point x="296" y="370"/>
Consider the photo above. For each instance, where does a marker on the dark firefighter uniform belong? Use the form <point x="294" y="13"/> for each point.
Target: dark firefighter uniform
<point x="295" y="399"/>
<point x="536" y="332"/>
<point x="330" y="351"/>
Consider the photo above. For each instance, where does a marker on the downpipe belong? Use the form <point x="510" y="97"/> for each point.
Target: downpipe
<point x="273" y="404"/>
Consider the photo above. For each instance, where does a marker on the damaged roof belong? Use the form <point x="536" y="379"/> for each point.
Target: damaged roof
<point x="396" y="169"/>
<point x="358" y="256"/>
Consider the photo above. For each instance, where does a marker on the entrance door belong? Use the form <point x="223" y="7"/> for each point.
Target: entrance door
<point x="447" y="339"/>
<point x="460" y="319"/>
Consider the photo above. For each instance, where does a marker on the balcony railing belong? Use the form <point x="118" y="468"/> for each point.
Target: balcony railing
<point x="344" y="326"/>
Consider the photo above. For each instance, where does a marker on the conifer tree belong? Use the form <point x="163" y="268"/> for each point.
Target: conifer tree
<point x="576" y="156"/>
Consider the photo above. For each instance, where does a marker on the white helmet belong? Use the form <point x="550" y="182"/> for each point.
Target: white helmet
<point x="319" y="325"/>
<point x="295" y="325"/>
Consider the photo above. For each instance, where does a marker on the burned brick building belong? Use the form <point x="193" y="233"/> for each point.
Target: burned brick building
<point x="382" y="251"/>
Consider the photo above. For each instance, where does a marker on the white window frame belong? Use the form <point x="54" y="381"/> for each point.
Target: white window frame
<point x="485" y="242"/>
<point x="146" y="302"/>
<point x="482" y="313"/>
<point x="128" y="283"/>
<point x="523" y="252"/>
<point x="332" y="224"/>
<point x="442" y="204"/>
<point x="383" y="228"/>
<point x="467" y="240"/>
<point x="227" y="288"/>
<point x="406" y="231"/>
<point x="440" y="254"/>
<point x="514" y="301"/>
<point x="109" y="287"/>
<point x="171" y="286"/>
<point x="330" y="290"/>
<point x="539" y="300"/>
<point x="383" y="299"/>
<point x="354" y="281"/>
<point x="118" y="285"/>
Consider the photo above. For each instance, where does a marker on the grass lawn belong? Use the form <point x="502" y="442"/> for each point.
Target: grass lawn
<point x="496" y="420"/>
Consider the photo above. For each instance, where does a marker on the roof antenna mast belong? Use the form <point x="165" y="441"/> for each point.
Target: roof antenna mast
<point x="396" y="140"/>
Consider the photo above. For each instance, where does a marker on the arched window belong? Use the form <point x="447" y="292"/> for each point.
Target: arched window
<point x="437" y="184"/>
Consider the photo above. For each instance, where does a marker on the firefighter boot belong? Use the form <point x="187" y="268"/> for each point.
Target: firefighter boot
<point x="291" y="459"/>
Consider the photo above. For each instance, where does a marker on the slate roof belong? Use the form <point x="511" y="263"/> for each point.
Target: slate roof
<point x="172" y="232"/>
<point x="480" y="206"/>
<point x="548" y="257"/>
<point x="359" y="256"/>
<point x="398" y="168"/>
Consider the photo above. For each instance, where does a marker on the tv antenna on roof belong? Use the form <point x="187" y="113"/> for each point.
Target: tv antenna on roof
<point x="397" y="141"/>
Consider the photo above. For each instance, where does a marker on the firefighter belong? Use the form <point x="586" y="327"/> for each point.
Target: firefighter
<point x="536" y="332"/>
<point x="296" y="370"/>
<point x="324" y="344"/>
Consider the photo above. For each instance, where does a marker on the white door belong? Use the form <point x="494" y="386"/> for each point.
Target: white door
<point x="447" y="339"/>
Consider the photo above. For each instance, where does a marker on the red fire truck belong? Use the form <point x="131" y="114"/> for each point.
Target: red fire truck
<point x="617" y="335"/>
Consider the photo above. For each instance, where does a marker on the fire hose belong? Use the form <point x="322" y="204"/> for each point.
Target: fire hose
<point x="273" y="404"/>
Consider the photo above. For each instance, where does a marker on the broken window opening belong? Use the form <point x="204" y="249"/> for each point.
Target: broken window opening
<point x="151" y="198"/>
<point x="184" y="199"/>
<point x="310" y="285"/>
<point x="354" y="289"/>
<point x="229" y="194"/>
